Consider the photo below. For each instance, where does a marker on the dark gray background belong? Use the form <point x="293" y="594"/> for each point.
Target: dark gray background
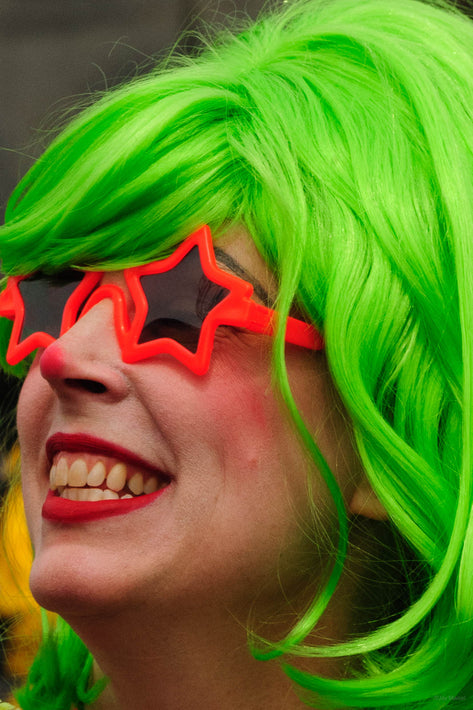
<point x="53" y="51"/>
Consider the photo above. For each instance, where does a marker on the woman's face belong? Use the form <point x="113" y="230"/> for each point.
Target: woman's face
<point x="231" y="524"/>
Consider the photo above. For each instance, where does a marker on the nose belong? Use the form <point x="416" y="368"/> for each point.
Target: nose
<point x="86" y="359"/>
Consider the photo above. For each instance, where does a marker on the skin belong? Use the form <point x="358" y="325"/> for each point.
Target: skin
<point x="161" y="596"/>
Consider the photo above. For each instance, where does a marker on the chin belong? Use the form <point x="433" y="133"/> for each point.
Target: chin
<point x="71" y="582"/>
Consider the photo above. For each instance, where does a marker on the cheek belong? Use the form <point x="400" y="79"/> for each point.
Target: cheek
<point x="245" y="415"/>
<point x="32" y="425"/>
<point x="237" y="408"/>
<point x="265" y="469"/>
<point x="26" y="414"/>
<point x="32" y="410"/>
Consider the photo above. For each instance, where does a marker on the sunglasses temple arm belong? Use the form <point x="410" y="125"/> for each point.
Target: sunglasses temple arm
<point x="260" y="319"/>
<point x="7" y="305"/>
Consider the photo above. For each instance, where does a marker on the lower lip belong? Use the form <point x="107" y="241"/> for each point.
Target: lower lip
<point x="62" y="510"/>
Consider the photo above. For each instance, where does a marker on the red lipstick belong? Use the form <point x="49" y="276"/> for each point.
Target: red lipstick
<point x="62" y="510"/>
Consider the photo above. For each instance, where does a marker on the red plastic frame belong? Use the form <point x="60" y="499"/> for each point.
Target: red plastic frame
<point x="236" y="309"/>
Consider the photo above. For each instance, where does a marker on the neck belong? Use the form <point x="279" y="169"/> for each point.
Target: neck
<point x="175" y="667"/>
<point x="182" y="656"/>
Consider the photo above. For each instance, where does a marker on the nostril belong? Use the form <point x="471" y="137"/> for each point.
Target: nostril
<point x="88" y="385"/>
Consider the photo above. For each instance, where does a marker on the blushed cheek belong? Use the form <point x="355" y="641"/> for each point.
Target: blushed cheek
<point x="256" y="405"/>
<point x="247" y="419"/>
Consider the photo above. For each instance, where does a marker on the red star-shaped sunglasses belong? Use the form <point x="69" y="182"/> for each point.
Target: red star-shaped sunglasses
<point x="179" y="302"/>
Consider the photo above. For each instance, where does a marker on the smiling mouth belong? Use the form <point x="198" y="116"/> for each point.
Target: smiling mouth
<point x="90" y="478"/>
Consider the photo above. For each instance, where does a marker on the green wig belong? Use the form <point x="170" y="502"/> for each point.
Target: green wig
<point x="340" y="134"/>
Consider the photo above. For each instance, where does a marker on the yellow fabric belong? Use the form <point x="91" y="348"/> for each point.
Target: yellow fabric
<point x="16" y="603"/>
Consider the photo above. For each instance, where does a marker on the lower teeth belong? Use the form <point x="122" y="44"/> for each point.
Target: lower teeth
<point x="92" y="494"/>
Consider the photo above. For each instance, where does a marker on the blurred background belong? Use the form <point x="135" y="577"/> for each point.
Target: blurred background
<point x="52" y="52"/>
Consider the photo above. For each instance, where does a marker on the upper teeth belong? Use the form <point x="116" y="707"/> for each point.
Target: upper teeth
<point x="86" y="478"/>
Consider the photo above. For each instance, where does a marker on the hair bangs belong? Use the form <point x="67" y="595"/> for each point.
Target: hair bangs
<point x="122" y="185"/>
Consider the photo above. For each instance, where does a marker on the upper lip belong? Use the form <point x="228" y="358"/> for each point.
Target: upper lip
<point x="86" y="442"/>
